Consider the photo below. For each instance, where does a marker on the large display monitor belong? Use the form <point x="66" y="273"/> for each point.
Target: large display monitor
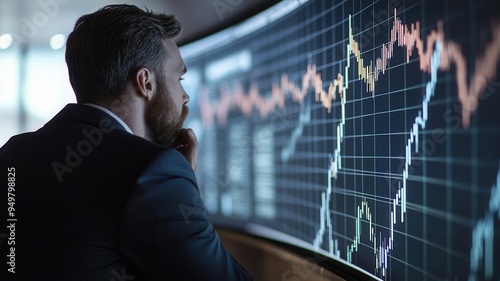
<point x="367" y="131"/>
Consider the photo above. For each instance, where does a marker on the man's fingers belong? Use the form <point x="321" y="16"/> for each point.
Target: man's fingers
<point x="186" y="137"/>
<point x="190" y="137"/>
<point x="187" y="144"/>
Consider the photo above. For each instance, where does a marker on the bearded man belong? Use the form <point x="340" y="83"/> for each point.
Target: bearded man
<point x="106" y="190"/>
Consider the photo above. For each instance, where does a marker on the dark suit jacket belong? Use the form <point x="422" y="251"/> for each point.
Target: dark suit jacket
<point x="93" y="202"/>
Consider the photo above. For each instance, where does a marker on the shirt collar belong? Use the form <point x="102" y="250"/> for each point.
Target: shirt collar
<point x="112" y="115"/>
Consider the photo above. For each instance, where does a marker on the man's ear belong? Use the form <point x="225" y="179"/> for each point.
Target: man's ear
<point x="145" y="83"/>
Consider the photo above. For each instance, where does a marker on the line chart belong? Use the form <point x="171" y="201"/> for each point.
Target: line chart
<point x="403" y="36"/>
<point x="386" y="150"/>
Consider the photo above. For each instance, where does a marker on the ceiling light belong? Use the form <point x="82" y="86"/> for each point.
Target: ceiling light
<point x="57" y="41"/>
<point x="5" y="41"/>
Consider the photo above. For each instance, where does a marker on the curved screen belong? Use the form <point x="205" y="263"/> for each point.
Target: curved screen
<point x="365" y="131"/>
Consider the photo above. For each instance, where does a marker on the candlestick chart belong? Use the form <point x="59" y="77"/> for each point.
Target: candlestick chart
<point x="368" y="131"/>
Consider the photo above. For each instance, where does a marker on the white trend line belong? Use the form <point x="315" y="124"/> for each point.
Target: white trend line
<point x="400" y="200"/>
<point x="483" y="236"/>
<point x="304" y="119"/>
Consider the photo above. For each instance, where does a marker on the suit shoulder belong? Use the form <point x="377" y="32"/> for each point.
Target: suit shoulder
<point x="169" y="164"/>
<point x="17" y="140"/>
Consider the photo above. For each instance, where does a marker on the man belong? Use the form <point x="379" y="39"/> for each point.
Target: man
<point x="106" y="190"/>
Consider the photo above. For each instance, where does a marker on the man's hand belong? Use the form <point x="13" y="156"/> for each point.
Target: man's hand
<point x="187" y="144"/>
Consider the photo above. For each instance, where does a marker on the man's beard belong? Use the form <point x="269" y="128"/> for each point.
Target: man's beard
<point x="163" y="119"/>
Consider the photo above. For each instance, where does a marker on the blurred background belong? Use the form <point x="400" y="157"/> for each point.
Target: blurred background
<point x="34" y="83"/>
